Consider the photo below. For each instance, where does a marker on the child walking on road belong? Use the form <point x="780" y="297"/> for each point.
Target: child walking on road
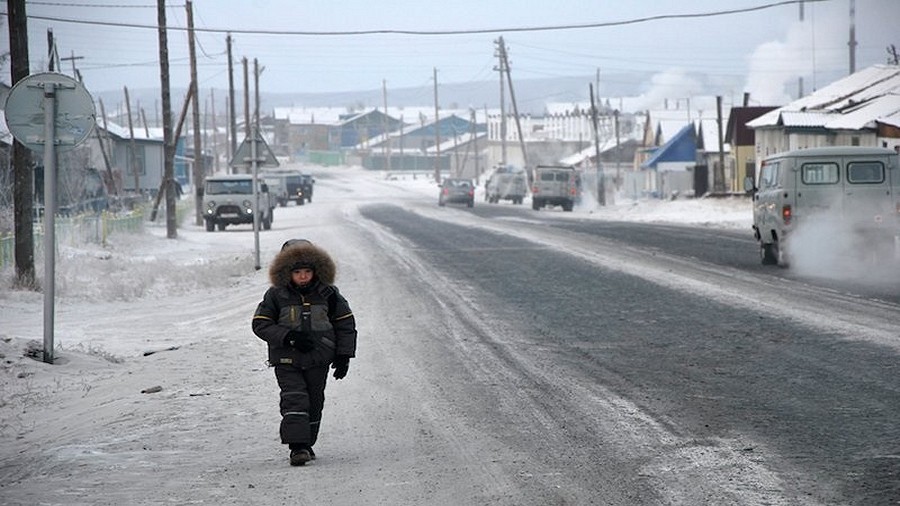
<point x="308" y="326"/>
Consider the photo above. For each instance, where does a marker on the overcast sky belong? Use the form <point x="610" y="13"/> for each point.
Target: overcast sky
<point x="766" y="48"/>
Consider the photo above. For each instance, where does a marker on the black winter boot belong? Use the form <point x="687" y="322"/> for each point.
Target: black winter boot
<point x="300" y="457"/>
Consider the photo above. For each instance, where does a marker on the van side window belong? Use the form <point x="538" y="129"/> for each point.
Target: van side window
<point x="819" y="173"/>
<point x="865" y="172"/>
<point x="769" y="178"/>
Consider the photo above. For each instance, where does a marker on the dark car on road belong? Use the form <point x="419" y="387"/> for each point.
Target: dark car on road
<point x="457" y="190"/>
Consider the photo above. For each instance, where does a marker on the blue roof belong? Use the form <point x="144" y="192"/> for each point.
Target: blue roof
<point x="682" y="147"/>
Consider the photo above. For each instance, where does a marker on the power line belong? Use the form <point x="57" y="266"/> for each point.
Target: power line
<point x="446" y="32"/>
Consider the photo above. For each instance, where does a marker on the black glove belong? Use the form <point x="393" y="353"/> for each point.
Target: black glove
<point x="299" y="340"/>
<point x="340" y="365"/>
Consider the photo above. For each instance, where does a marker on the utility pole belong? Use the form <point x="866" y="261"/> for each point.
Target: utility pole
<point x="23" y="186"/>
<point x="168" y="140"/>
<point x="601" y="183"/>
<point x="719" y="175"/>
<point x="800" y="79"/>
<point x="501" y="68"/>
<point x="437" y="132"/>
<point x="474" y="131"/>
<point x="852" y="43"/>
<point x="198" y="164"/>
<point x="111" y="185"/>
<point x="133" y="145"/>
<point x="52" y="54"/>
<point x="384" y="127"/>
<point x="512" y="96"/>
<point x="618" y="153"/>
<point x="246" y="97"/>
<point x="256" y="73"/>
<point x="75" y="73"/>
<point x="215" y="135"/>
<point x="231" y="111"/>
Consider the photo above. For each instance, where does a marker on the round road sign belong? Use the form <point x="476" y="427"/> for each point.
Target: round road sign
<point x="75" y="116"/>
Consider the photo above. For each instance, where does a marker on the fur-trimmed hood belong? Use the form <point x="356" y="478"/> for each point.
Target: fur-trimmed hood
<point x="303" y="253"/>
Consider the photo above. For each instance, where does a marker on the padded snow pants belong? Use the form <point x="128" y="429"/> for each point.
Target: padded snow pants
<point x="302" y="400"/>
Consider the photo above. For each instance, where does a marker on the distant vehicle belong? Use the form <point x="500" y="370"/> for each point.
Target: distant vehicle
<point x="506" y="183"/>
<point x="294" y="182"/>
<point x="277" y="183"/>
<point x="855" y="190"/>
<point x="306" y="185"/>
<point x="556" y="185"/>
<point x="457" y="190"/>
<point x="228" y="200"/>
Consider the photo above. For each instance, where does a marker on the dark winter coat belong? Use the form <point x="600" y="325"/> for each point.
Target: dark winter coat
<point x="332" y="324"/>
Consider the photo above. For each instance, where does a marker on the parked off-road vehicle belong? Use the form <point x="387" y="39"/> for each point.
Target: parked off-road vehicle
<point x="228" y="200"/>
<point x="556" y="185"/>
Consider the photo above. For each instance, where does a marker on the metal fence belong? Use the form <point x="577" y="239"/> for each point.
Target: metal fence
<point x="85" y="229"/>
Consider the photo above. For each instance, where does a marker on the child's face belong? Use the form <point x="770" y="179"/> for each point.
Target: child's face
<point x="302" y="276"/>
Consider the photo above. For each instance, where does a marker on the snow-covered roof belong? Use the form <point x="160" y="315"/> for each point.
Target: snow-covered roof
<point x="123" y="133"/>
<point x="452" y="142"/>
<point x="710" y="131"/>
<point x="413" y="116"/>
<point x="851" y="103"/>
<point x="588" y="152"/>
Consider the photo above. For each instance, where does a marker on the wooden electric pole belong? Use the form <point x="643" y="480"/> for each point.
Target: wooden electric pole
<point x="246" y="98"/>
<point x="23" y="185"/>
<point x="719" y="174"/>
<point x="198" y="166"/>
<point x="232" y="121"/>
<point x="601" y="183"/>
<point x="132" y="158"/>
<point x="437" y="132"/>
<point x="168" y="141"/>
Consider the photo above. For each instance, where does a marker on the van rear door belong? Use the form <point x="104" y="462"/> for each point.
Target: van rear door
<point x="819" y="186"/>
<point x="868" y="196"/>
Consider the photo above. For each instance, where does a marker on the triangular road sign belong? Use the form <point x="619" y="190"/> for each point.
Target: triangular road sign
<point x="264" y="155"/>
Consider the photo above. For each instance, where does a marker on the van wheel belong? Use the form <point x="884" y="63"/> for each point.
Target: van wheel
<point x="768" y="253"/>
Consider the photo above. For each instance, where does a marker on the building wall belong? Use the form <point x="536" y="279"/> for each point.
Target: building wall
<point x="770" y="141"/>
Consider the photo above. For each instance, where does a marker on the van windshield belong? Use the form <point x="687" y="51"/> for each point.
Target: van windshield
<point x="244" y="186"/>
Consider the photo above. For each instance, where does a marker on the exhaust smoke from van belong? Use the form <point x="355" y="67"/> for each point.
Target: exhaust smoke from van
<point x="833" y="246"/>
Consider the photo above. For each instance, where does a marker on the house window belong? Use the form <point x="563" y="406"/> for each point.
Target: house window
<point x="854" y="141"/>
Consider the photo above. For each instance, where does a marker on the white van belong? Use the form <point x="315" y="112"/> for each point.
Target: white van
<point x="852" y="190"/>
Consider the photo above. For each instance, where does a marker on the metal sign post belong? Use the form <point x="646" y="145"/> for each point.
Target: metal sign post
<point x="254" y="153"/>
<point x="49" y="218"/>
<point x="49" y="112"/>
<point x="255" y="163"/>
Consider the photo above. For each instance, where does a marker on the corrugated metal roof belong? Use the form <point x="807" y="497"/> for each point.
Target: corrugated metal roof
<point x="844" y="97"/>
<point x="865" y="115"/>
<point x="681" y="148"/>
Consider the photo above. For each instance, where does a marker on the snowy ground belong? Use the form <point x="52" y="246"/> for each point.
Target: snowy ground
<point x="154" y="351"/>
